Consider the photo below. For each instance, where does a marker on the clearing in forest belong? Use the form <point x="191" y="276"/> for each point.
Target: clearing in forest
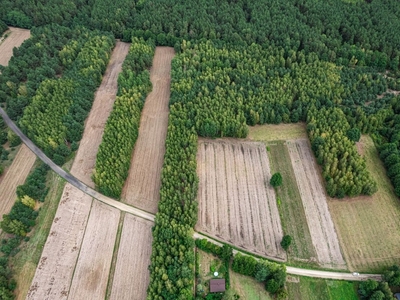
<point x="369" y="227"/>
<point x="15" y="39"/>
<point x="94" y="125"/>
<point x="273" y="132"/>
<point x="320" y="224"/>
<point x="15" y="175"/>
<point x="236" y="202"/>
<point x="131" y="276"/>
<point x="142" y="187"/>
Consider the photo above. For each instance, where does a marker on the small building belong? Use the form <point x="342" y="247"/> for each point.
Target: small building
<point x="217" y="285"/>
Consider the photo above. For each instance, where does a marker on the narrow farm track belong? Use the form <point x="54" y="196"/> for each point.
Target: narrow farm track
<point x="15" y="39"/>
<point x="142" y="186"/>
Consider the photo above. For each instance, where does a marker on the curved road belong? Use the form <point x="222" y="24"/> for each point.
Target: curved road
<point x="145" y="215"/>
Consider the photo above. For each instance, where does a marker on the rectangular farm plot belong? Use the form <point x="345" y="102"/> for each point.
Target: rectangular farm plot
<point x="56" y="266"/>
<point x="93" y="266"/>
<point x="236" y="202"/>
<point x="132" y="276"/>
<point x="323" y="234"/>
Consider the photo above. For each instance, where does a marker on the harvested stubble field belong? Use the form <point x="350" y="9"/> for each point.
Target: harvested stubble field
<point x="294" y="219"/>
<point x="54" y="273"/>
<point x="323" y="234"/>
<point x="15" y="175"/>
<point x="369" y="227"/>
<point x="15" y="39"/>
<point x="102" y="106"/>
<point x="142" y="186"/>
<point x="93" y="265"/>
<point x="131" y="276"/>
<point x="236" y="202"/>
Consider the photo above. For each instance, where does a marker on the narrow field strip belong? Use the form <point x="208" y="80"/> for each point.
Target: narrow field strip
<point x="323" y="234"/>
<point x="235" y="203"/>
<point x="16" y="175"/>
<point x="56" y="266"/>
<point x="142" y="186"/>
<point x="94" y="127"/>
<point x="93" y="265"/>
<point x="131" y="276"/>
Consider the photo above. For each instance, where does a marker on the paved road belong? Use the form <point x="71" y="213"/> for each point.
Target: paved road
<point x="145" y="215"/>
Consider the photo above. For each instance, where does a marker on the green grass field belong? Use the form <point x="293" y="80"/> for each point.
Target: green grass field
<point x="248" y="288"/>
<point x="321" y="289"/>
<point x="25" y="262"/>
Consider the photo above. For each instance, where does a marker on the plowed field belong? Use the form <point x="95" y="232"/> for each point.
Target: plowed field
<point x="142" y="186"/>
<point x="236" y="202"/>
<point x="15" y="39"/>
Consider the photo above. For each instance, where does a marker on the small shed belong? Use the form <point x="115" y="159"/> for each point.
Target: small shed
<point x="217" y="285"/>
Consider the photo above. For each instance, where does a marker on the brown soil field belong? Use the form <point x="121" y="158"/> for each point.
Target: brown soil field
<point x="131" y="276"/>
<point x="54" y="273"/>
<point x="94" y="126"/>
<point x="369" y="227"/>
<point x="236" y="202"/>
<point x="93" y="265"/>
<point x="142" y="186"/>
<point x="320" y="224"/>
<point x="15" y="176"/>
<point x="15" y="39"/>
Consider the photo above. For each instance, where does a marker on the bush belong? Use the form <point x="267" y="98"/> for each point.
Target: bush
<point x="286" y="241"/>
<point x="276" y="180"/>
<point x="13" y="139"/>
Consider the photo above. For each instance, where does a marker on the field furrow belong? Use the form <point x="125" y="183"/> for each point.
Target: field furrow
<point x="131" y="276"/>
<point x="241" y="210"/>
<point x="93" y="265"/>
<point x="56" y="266"/>
<point x="142" y="186"/>
<point x="323" y="234"/>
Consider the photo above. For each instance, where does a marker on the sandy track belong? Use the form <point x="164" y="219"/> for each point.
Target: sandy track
<point x="323" y="234"/>
<point x="132" y="276"/>
<point x="235" y="203"/>
<point x="93" y="266"/>
<point x="102" y="106"/>
<point x="142" y="186"/>
<point x="15" y="176"/>
<point x="56" y="266"/>
<point x="15" y="39"/>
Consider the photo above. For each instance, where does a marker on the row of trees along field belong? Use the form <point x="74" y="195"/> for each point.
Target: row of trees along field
<point x="49" y="109"/>
<point x="122" y="127"/>
<point x="18" y="222"/>
<point x="332" y="141"/>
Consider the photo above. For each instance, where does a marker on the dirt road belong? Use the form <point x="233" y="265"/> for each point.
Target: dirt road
<point x="142" y="186"/>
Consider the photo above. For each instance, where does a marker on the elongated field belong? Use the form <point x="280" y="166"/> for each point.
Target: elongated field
<point x="131" y="276"/>
<point x="369" y="227"/>
<point x="93" y="265"/>
<point x="320" y="224"/>
<point x="15" y="39"/>
<point x="142" y="186"/>
<point x="94" y="126"/>
<point x="236" y="202"/>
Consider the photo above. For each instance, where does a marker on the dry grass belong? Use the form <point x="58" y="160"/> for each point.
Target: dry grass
<point x="369" y="227"/>
<point x="271" y="132"/>
<point x="142" y="187"/>
<point x="236" y="202"/>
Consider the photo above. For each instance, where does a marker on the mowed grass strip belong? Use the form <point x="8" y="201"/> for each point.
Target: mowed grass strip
<point x="272" y="132"/>
<point x="293" y="218"/>
<point x="321" y="289"/>
<point x="24" y="263"/>
<point x="369" y="227"/>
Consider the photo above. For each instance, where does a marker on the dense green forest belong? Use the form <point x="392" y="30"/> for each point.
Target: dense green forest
<point x="333" y="64"/>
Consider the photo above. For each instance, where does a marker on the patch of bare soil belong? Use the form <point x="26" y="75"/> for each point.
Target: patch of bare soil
<point x="54" y="273"/>
<point x="132" y="275"/>
<point x="15" y="39"/>
<point x="93" y="265"/>
<point x="16" y="175"/>
<point x="323" y="234"/>
<point x="236" y="202"/>
<point x="102" y="106"/>
<point x="142" y="186"/>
